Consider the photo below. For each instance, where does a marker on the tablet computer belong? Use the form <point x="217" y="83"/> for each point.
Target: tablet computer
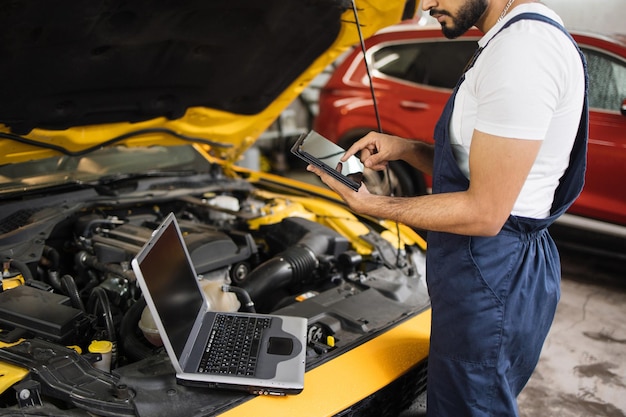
<point x="321" y="152"/>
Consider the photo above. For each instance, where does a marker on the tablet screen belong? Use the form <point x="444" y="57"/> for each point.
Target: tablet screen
<point x="322" y="150"/>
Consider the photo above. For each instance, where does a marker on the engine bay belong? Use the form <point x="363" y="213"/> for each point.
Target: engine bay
<point x="67" y="283"/>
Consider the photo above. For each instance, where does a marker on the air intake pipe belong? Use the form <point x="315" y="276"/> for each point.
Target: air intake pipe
<point x="293" y="265"/>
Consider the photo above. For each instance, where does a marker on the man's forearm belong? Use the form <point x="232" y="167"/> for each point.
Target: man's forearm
<point x="458" y="213"/>
<point x="420" y="156"/>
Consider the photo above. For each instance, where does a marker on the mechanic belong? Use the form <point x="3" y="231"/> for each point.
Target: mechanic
<point x="509" y="158"/>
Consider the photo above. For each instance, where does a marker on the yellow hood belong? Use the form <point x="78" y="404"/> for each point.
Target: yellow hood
<point x="78" y="78"/>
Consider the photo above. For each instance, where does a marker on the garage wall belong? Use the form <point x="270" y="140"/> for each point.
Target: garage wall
<point x="600" y="16"/>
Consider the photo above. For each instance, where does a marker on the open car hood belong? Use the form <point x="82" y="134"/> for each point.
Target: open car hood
<point x="80" y="75"/>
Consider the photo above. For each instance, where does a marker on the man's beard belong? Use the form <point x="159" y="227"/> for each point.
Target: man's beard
<point x="466" y="17"/>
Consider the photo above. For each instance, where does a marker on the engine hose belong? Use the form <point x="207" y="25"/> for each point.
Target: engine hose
<point x="242" y="296"/>
<point x="132" y="344"/>
<point x="51" y="255"/>
<point x="53" y="258"/>
<point x="85" y="259"/>
<point x="23" y="268"/>
<point x="54" y="280"/>
<point x="290" y="266"/>
<point x="99" y="298"/>
<point x="71" y="290"/>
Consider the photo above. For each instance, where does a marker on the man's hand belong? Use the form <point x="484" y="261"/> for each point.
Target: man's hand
<point x="350" y="196"/>
<point x="376" y="150"/>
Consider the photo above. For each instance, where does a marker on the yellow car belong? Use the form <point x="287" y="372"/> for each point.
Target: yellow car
<point x="115" y="114"/>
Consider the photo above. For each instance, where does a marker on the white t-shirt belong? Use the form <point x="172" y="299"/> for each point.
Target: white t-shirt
<point x="528" y="83"/>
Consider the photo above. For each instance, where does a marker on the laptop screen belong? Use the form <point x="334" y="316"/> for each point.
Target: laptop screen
<point x="173" y="286"/>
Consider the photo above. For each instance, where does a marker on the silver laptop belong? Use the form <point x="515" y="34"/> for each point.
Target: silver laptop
<point x="257" y="353"/>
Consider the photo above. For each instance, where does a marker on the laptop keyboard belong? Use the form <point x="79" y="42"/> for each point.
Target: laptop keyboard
<point x="233" y="345"/>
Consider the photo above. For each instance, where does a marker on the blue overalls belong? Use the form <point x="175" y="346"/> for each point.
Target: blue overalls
<point x="493" y="298"/>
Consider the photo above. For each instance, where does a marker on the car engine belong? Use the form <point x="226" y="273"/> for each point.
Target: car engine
<point x="67" y="284"/>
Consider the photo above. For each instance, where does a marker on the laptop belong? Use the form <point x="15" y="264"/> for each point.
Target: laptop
<point x="209" y="348"/>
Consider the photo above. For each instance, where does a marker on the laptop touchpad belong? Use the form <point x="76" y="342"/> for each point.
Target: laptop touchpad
<point x="280" y="346"/>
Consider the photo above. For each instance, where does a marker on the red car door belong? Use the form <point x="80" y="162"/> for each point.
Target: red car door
<point x="604" y="194"/>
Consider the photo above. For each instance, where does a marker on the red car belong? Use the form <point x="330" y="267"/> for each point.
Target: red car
<point x="414" y="69"/>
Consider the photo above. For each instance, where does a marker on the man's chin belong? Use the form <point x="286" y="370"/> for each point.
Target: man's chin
<point x="451" y="32"/>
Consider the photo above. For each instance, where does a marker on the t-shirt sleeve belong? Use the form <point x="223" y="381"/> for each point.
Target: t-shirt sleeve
<point x="519" y="90"/>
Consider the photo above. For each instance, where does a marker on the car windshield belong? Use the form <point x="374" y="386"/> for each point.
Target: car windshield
<point x="102" y="165"/>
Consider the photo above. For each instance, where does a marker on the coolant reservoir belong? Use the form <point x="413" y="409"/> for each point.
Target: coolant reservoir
<point x="148" y="328"/>
<point x="218" y="299"/>
<point x="226" y="202"/>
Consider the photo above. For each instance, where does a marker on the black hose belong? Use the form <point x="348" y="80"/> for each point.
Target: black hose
<point x="86" y="260"/>
<point x="71" y="290"/>
<point x="54" y="280"/>
<point x="242" y="296"/>
<point x="23" y="268"/>
<point x="99" y="298"/>
<point x="52" y="255"/>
